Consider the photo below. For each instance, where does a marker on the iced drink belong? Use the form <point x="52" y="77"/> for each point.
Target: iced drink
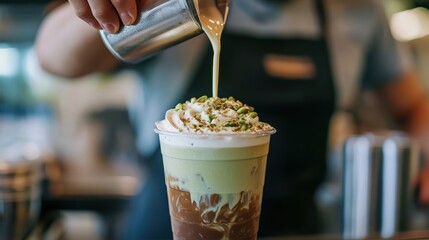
<point x="214" y="152"/>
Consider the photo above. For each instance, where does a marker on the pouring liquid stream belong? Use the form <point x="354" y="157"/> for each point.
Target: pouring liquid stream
<point x="213" y="15"/>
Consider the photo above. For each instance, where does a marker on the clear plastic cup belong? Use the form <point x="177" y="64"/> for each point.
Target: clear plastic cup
<point x="214" y="183"/>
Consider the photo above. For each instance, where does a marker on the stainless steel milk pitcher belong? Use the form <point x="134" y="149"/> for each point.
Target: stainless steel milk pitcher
<point x="378" y="184"/>
<point x="161" y="24"/>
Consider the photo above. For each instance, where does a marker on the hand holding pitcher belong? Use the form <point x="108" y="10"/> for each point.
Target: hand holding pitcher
<point x="107" y="15"/>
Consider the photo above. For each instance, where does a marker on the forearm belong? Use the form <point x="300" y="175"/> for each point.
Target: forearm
<point x="69" y="47"/>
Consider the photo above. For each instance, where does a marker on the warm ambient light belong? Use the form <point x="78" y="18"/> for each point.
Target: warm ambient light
<point x="410" y="24"/>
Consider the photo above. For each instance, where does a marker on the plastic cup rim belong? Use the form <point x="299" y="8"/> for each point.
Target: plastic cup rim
<point x="217" y="135"/>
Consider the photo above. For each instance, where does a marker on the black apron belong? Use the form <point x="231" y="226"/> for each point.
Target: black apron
<point x="299" y="109"/>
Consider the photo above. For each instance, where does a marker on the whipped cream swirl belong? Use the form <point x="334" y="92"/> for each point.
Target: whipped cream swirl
<point x="212" y="115"/>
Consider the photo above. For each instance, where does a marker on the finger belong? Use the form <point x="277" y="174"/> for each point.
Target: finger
<point x="127" y="10"/>
<point x="82" y="10"/>
<point x="106" y="14"/>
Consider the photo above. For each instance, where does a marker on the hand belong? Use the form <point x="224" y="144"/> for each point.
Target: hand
<point x="106" y="14"/>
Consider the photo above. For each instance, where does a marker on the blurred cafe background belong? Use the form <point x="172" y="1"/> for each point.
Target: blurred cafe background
<point x="69" y="165"/>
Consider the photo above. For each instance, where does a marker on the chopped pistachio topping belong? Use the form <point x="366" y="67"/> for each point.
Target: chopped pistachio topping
<point x="215" y="114"/>
<point x="178" y="107"/>
<point x="253" y="114"/>
<point x="243" y="110"/>
<point x="202" y="99"/>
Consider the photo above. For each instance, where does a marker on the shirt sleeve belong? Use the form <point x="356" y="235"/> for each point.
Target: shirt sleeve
<point x="385" y="58"/>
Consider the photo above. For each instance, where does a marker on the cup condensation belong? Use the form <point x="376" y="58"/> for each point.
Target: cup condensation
<point x="214" y="183"/>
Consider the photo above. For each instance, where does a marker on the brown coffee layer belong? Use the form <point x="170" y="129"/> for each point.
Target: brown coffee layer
<point x="207" y="219"/>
